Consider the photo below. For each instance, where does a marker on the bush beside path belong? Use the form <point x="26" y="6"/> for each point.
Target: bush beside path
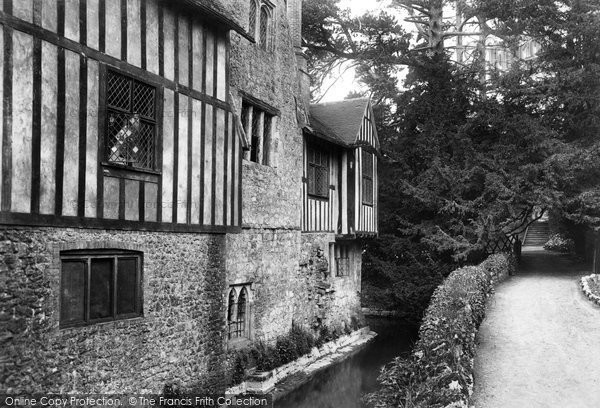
<point x="539" y="345"/>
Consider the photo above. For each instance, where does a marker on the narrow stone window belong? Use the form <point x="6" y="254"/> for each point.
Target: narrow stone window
<point x="252" y="18"/>
<point x="342" y="259"/>
<point x="318" y="172"/>
<point x="265" y="19"/>
<point x="260" y="23"/>
<point x="237" y="313"/>
<point x="367" y="178"/>
<point x="130" y="133"/>
<point x="99" y="286"/>
<point x="258" y="125"/>
<point x="231" y="313"/>
<point x="241" y="312"/>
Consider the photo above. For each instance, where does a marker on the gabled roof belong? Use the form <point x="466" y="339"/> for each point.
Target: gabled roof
<point x="339" y="122"/>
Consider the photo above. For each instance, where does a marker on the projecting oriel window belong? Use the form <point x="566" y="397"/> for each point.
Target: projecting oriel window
<point x="367" y="178"/>
<point x="318" y="172"/>
<point x="130" y="139"/>
<point x="99" y="286"/>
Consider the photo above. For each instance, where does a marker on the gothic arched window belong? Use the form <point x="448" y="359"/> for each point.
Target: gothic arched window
<point x="238" y="312"/>
<point x="241" y="312"/>
<point x="231" y="313"/>
<point x="263" y="35"/>
<point x="252" y="17"/>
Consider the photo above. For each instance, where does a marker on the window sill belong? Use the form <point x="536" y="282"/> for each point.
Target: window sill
<point x="130" y="168"/>
<point x="110" y="324"/>
<point x="117" y="170"/>
<point x="317" y="197"/>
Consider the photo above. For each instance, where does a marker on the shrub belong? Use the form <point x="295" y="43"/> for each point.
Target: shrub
<point x="560" y="243"/>
<point x="265" y="357"/>
<point x="439" y="371"/>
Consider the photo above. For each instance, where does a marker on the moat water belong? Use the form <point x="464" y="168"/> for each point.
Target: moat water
<point x="343" y="384"/>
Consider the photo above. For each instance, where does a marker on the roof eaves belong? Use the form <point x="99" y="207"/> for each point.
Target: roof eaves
<point x="212" y="13"/>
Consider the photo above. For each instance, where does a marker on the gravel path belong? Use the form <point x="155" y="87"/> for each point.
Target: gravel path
<point x="539" y="345"/>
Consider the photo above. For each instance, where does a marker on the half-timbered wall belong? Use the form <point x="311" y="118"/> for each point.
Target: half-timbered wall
<point x="54" y="60"/>
<point x="321" y="213"/>
<point x="346" y="211"/>
<point x="365" y="219"/>
<point x="368" y="133"/>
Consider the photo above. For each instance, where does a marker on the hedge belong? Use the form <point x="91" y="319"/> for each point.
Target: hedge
<point x="439" y="372"/>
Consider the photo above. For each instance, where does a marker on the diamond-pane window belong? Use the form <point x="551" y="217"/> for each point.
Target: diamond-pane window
<point x="318" y="173"/>
<point x="131" y="122"/>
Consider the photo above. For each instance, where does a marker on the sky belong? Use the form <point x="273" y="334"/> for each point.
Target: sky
<point x="345" y="81"/>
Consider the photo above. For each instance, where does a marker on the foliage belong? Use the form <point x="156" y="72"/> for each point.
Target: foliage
<point x="467" y="154"/>
<point x="561" y="90"/>
<point x="439" y="371"/>
<point x="286" y="348"/>
<point x="560" y="243"/>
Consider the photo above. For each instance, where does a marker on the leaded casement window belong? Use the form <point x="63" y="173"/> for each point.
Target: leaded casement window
<point x="130" y="138"/>
<point x="317" y="172"/>
<point x="260" y="22"/>
<point x="252" y="17"/>
<point x="99" y="286"/>
<point x="237" y="313"/>
<point x="367" y="178"/>
<point x="258" y="125"/>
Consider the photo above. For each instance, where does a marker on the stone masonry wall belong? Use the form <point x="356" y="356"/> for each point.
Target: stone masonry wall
<point x="269" y="259"/>
<point x="179" y="339"/>
<point x="291" y="281"/>
<point x="338" y="297"/>
<point x="271" y="195"/>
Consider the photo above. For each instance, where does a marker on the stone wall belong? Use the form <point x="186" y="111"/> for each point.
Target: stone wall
<point x="269" y="260"/>
<point x="181" y="338"/>
<point x="271" y="194"/>
<point x="177" y="341"/>
<point x="291" y="281"/>
<point x="337" y="297"/>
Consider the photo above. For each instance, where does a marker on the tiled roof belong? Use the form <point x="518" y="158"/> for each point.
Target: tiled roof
<point x="340" y="122"/>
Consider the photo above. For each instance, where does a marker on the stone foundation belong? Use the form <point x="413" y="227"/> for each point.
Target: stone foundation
<point x="179" y="339"/>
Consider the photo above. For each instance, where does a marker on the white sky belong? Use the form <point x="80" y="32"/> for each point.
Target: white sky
<point x="346" y="81"/>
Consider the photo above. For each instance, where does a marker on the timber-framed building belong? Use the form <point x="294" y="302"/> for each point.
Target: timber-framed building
<point x="167" y="193"/>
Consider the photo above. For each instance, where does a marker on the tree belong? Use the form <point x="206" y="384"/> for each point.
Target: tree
<point x="464" y="161"/>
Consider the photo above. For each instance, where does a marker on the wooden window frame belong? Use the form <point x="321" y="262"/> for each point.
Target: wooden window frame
<point x="156" y="121"/>
<point x="86" y="257"/>
<point x="370" y="176"/>
<point x="311" y="180"/>
<point x="260" y="141"/>
<point x="342" y="259"/>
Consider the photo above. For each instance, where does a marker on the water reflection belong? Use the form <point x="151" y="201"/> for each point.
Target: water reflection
<point x="343" y="384"/>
